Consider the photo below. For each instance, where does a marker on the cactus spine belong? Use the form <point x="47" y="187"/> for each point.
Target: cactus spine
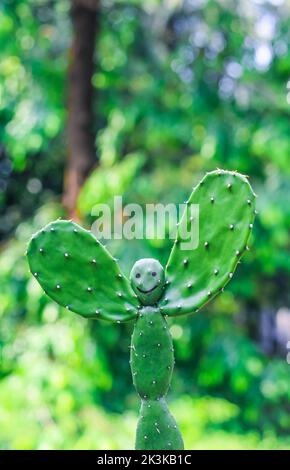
<point x="152" y="361"/>
<point x="76" y="271"/>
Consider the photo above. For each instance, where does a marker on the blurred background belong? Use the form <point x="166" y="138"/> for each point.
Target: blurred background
<point x="101" y="98"/>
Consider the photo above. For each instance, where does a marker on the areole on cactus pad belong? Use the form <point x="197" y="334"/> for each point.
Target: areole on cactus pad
<point x="77" y="271"/>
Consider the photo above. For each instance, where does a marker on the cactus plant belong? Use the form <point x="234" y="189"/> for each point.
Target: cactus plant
<point x="77" y="271"/>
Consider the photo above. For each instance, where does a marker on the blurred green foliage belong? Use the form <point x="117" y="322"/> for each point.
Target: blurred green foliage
<point x="181" y="88"/>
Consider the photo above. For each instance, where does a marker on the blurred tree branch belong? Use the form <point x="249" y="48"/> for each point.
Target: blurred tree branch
<point x="81" y="148"/>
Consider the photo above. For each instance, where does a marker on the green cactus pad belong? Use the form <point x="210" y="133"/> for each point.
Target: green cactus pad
<point x="151" y="354"/>
<point x="226" y="215"/>
<point x="76" y="271"/>
<point x="157" y="429"/>
<point x="152" y="362"/>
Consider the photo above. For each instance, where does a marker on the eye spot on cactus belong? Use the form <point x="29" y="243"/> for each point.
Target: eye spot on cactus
<point x="35" y="274"/>
<point x="229" y="186"/>
<point x="67" y="307"/>
<point x="216" y="271"/>
<point x="249" y="202"/>
<point x="206" y="244"/>
<point x="120" y="294"/>
<point x="154" y="274"/>
<point x="232" y="227"/>
<point x="209" y="293"/>
<point x="158" y="345"/>
<point x="230" y="275"/>
<point x="89" y="289"/>
<point x="97" y="312"/>
<point x="138" y="275"/>
<point x="185" y="261"/>
<point x="58" y="286"/>
<point x="41" y="250"/>
<point x="120" y="276"/>
<point x="66" y="255"/>
<point x="75" y="230"/>
<point x="251" y="226"/>
<point x="52" y="229"/>
<point x="154" y="382"/>
<point x="189" y="285"/>
<point x="212" y="200"/>
<point x="238" y="253"/>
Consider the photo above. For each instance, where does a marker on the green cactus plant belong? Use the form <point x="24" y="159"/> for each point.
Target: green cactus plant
<point x="76" y="271"/>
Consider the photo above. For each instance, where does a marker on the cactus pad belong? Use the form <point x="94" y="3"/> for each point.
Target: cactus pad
<point x="76" y="271"/>
<point x="226" y="214"/>
<point x="152" y="362"/>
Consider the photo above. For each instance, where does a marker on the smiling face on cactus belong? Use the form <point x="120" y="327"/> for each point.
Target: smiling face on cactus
<point x="147" y="280"/>
<point x="79" y="273"/>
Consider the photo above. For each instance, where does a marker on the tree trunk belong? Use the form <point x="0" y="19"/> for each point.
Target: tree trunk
<point x="81" y="148"/>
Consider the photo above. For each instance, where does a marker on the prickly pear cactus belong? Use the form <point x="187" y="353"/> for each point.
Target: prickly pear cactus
<point x="76" y="271"/>
<point x="226" y="215"/>
<point x="72" y="267"/>
<point x="152" y="362"/>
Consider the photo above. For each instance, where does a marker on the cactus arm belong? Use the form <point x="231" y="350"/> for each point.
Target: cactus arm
<point x="76" y="271"/>
<point x="226" y="215"/>
<point x="152" y="362"/>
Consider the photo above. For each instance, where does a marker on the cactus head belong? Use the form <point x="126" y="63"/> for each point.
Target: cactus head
<point x="147" y="280"/>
